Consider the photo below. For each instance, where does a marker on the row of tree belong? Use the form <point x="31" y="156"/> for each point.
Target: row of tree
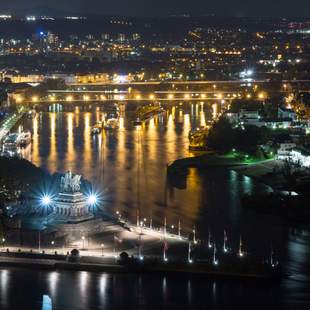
<point x="223" y="137"/>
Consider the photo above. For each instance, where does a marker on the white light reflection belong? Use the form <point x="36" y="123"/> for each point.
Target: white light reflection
<point x="103" y="289"/>
<point x="83" y="283"/>
<point x="189" y="291"/>
<point x="165" y="288"/>
<point x="53" y="281"/>
<point x="4" y="279"/>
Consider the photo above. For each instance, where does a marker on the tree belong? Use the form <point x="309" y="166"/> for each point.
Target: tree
<point x="221" y="136"/>
<point x="289" y="175"/>
<point x="42" y="89"/>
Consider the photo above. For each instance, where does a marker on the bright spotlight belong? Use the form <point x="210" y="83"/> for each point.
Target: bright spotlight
<point x="92" y="199"/>
<point x="46" y="200"/>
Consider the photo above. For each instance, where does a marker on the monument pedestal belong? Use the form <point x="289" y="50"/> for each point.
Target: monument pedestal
<point x="71" y="208"/>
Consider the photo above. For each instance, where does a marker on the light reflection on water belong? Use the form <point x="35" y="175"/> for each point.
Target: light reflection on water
<point x="117" y="161"/>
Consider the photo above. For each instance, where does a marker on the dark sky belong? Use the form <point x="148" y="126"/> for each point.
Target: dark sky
<point x="166" y="7"/>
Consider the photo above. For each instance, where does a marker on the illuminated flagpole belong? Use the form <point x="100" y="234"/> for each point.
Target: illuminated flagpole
<point x="179" y="229"/>
<point x="272" y="263"/>
<point x="114" y="249"/>
<point x="138" y="220"/>
<point x="151" y="222"/>
<point x="215" y="261"/>
<point x="165" y="227"/>
<point x="225" y="240"/>
<point x="189" y="252"/>
<point x="194" y="235"/>
<point x="140" y="246"/>
<point x="240" y="248"/>
<point x="165" y="248"/>
<point x="209" y="240"/>
<point x="39" y="241"/>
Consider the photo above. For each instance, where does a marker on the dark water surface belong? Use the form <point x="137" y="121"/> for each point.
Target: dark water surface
<point x="128" y="166"/>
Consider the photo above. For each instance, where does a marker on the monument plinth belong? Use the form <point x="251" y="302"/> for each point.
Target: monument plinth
<point x="71" y="206"/>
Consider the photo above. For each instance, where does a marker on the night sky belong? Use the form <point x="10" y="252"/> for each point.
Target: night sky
<point x="166" y="7"/>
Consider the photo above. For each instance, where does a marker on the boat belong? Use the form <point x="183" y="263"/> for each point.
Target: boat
<point x="97" y="128"/>
<point x="111" y="123"/>
<point x="9" y="146"/>
<point x="10" y="140"/>
<point x="197" y="139"/>
<point x="137" y="122"/>
<point x="31" y="114"/>
<point x="24" y="138"/>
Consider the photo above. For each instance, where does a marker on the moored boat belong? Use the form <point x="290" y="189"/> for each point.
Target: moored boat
<point x="111" y="123"/>
<point x="24" y="138"/>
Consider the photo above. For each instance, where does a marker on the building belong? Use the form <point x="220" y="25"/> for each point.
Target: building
<point x="285" y="149"/>
<point x="278" y="123"/>
<point x="301" y="156"/>
<point x="286" y="113"/>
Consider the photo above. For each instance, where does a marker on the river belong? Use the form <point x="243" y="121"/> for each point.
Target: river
<point x="128" y="167"/>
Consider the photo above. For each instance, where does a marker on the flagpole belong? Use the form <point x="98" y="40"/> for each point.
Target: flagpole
<point x="209" y="240"/>
<point x="140" y="247"/>
<point x="165" y="227"/>
<point x="240" y="247"/>
<point x="179" y="229"/>
<point x="225" y="238"/>
<point x="271" y="257"/>
<point x="165" y="248"/>
<point x="138" y="220"/>
<point x="39" y="241"/>
<point x="215" y="261"/>
<point x="189" y="253"/>
<point x="194" y="237"/>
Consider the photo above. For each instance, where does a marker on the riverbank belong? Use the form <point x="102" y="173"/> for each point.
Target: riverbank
<point x="267" y="172"/>
<point x="213" y="160"/>
<point x="242" y="270"/>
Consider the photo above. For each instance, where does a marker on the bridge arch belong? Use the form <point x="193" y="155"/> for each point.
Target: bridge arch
<point x="55" y="107"/>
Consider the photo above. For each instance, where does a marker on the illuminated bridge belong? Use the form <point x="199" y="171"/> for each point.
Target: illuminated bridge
<point x="156" y="91"/>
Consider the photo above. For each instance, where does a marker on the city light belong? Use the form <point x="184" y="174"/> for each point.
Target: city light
<point x="92" y="199"/>
<point x="46" y="200"/>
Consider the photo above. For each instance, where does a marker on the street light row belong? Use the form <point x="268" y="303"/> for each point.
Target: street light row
<point x="171" y="96"/>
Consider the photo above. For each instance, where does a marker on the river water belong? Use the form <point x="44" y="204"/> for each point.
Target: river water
<point x="128" y="167"/>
